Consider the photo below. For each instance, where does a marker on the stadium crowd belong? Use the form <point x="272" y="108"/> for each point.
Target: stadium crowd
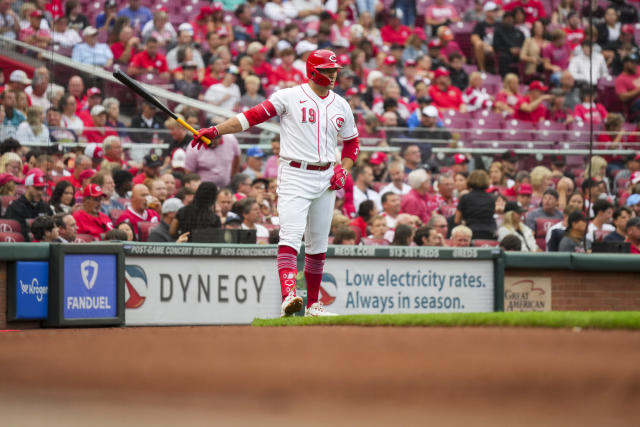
<point x="434" y="72"/>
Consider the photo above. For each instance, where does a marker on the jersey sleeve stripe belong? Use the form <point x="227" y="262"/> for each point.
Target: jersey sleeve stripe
<point x="243" y="121"/>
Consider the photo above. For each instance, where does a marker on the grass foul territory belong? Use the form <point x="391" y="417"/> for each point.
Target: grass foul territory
<point x="551" y="319"/>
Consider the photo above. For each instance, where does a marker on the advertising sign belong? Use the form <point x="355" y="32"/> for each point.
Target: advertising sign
<point x="31" y="285"/>
<point x="197" y="291"/>
<point x="90" y="285"/>
<point x="407" y="286"/>
<point x="527" y="293"/>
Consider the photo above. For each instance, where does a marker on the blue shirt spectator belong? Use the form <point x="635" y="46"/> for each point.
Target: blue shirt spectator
<point x="138" y="15"/>
<point x="91" y="52"/>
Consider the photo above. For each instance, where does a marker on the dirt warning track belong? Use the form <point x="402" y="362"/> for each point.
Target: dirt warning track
<point x="320" y="376"/>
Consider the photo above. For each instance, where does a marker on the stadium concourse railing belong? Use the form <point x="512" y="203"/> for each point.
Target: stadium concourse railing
<point x="206" y="283"/>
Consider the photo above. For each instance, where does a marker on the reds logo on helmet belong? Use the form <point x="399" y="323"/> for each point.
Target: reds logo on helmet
<point x="321" y="59"/>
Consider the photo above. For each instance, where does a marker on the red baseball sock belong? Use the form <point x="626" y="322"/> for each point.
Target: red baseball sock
<point x="313" y="266"/>
<point x="287" y="269"/>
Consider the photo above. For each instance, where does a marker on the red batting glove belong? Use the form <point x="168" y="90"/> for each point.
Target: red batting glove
<point x="338" y="179"/>
<point x="211" y="133"/>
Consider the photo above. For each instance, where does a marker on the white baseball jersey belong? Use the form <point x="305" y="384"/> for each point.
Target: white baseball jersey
<point x="310" y="125"/>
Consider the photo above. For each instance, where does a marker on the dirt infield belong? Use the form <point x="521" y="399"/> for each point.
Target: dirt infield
<point x="319" y="376"/>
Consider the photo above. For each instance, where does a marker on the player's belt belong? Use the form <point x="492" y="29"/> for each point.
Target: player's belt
<point x="303" y="165"/>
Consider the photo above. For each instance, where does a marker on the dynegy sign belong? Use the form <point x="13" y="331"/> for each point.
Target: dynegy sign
<point x="195" y="291"/>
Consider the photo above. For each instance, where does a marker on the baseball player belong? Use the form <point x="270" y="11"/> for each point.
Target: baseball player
<point x="312" y="117"/>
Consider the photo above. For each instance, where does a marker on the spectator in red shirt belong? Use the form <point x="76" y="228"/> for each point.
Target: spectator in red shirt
<point x="138" y="211"/>
<point x="419" y="201"/>
<point x="99" y="131"/>
<point x="89" y="218"/>
<point x="555" y="57"/>
<point x="575" y="34"/>
<point x="34" y="34"/>
<point x="447" y="45"/>
<point x="93" y="98"/>
<point x="126" y="47"/>
<point x="533" y="9"/>
<point x="628" y="84"/>
<point x="366" y="211"/>
<point x="443" y="94"/>
<point x="394" y="32"/>
<point x="633" y="234"/>
<point x="439" y="14"/>
<point x="530" y="107"/>
<point x="258" y="53"/>
<point x="149" y="61"/>
<point x="589" y="110"/>
<point x="286" y="75"/>
<point x="150" y="169"/>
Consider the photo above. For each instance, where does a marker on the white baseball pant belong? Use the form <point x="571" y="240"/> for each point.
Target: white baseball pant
<point x="305" y="206"/>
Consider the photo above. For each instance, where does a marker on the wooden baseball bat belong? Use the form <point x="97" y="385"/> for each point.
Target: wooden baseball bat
<point x="137" y="88"/>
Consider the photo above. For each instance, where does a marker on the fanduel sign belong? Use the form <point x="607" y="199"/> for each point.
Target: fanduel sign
<point x="90" y="286"/>
<point x="32" y="287"/>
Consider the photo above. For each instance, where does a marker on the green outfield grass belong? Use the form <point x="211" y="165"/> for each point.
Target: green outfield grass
<point x="551" y="319"/>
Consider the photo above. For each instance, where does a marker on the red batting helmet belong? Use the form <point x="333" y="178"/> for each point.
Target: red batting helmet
<point x="321" y="60"/>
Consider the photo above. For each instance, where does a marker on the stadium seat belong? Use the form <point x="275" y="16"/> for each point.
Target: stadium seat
<point x="84" y="238"/>
<point x="114" y="214"/>
<point x="601" y="234"/>
<point x="11" y="237"/>
<point x="543" y="225"/>
<point x="144" y="228"/>
<point x="9" y="226"/>
<point x="6" y="201"/>
<point x="374" y="242"/>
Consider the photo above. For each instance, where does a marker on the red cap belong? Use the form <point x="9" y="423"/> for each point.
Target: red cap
<point x="93" y="91"/>
<point x="420" y="33"/>
<point x="440" y="71"/>
<point x="6" y="177"/>
<point x="435" y="43"/>
<point x="635" y="178"/>
<point x="377" y="158"/>
<point x="350" y="92"/>
<point x="344" y="59"/>
<point x="627" y="28"/>
<point x="410" y="63"/>
<point x="87" y="174"/>
<point x="93" y="190"/>
<point x="459" y="159"/>
<point x="36" y="14"/>
<point x="35" y="179"/>
<point x="94" y="151"/>
<point x="204" y="12"/>
<point x="525" y="189"/>
<point x="390" y="60"/>
<point x="537" y="85"/>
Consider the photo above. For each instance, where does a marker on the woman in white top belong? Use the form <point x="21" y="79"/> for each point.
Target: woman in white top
<point x="69" y="119"/>
<point x="32" y="130"/>
<point x="513" y="224"/>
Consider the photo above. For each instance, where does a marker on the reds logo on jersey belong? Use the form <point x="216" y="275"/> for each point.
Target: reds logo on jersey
<point x="339" y="122"/>
<point x="333" y="58"/>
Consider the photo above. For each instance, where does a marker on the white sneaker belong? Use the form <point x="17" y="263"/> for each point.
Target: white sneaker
<point x="291" y="305"/>
<point x="317" y="310"/>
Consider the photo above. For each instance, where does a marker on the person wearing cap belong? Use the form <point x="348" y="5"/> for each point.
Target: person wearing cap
<point x="149" y="61"/>
<point x="8" y="184"/>
<point x="150" y="169"/>
<point x="139" y="211"/>
<point x="531" y="107"/>
<point x="507" y="42"/>
<point x="92" y="99"/>
<point x="394" y="32"/>
<point x="513" y="225"/>
<point x="138" y="15"/>
<point x="378" y="163"/>
<point x="9" y="20"/>
<point x="34" y="34"/>
<point x="92" y="52"/>
<point x="443" y="94"/>
<point x="548" y="208"/>
<point x="440" y="13"/>
<point x="627" y="86"/>
<point x="186" y="82"/>
<point x="106" y="19"/>
<point x="88" y="218"/>
<point x="99" y="131"/>
<point x="30" y="204"/>
<point x="255" y="162"/>
<point x="160" y="233"/>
